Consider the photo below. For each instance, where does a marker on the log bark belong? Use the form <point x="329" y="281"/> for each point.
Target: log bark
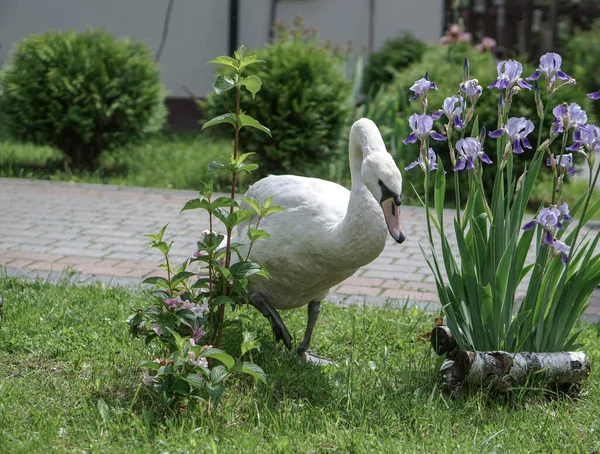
<point x="504" y="370"/>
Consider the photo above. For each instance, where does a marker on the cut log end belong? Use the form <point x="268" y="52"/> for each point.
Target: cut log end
<point x="443" y="342"/>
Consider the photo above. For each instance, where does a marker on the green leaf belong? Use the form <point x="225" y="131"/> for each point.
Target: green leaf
<point x="232" y="219"/>
<point x="222" y="299"/>
<point x="103" y="410"/>
<point x="439" y="192"/>
<point x="224" y="60"/>
<point x="220" y="355"/>
<point x="273" y="209"/>
<point x="241" y="158"/>
<point x="214" y="165"/>
<point x="194" y="204"/>
<point x="247" y="120"/>
<point x="247" y="168"/>
<point x="249" y="342"/>
<point x="252" y="203"/>
<point x="250" y="60"/>
<point x="180" y="277"/>
<point x="163" y="247"/>
<point x="150" y="365"/>
<point x="218" y="374"/>
<point x="156" y="280"/>
<point x="225" y="118"/>
<point x="240" y="270"/>
<point x="223" y="202"/>
<point x="257" y="234"/>
<point x="475" y="130"/>
<point x="195" y="381"/>
<point x="252" y="84"/>
<point x="250" y="369"/>
<point x="157" y="236"/>
<point x="222" y="84"/>
<point x="215" y="392"/>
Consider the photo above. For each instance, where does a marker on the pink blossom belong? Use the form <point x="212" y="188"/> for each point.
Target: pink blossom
<point x="198" y="333"/>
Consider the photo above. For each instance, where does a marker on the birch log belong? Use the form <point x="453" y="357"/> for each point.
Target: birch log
<point x="503" y="370"/>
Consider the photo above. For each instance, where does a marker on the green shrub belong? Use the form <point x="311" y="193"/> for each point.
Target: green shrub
<point x="445" y="67"/>
<point x="81" y="92"/>
<point x="304" y="99"/>
<point x="395" y="55"/>
<point x="581" y="61"/>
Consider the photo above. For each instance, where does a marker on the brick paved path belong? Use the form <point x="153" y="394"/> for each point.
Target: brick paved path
<point x="97" y="230"/>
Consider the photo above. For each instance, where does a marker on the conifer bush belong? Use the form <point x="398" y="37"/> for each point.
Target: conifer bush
<point x="81" y="92"/>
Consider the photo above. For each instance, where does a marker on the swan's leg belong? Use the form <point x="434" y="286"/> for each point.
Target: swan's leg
<point x="279" y="329"/>
<point x="314" y="307"/>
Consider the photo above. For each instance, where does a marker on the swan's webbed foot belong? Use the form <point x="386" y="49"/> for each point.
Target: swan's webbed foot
<point x="311" y="358"/>
<point x="279" y="329"/>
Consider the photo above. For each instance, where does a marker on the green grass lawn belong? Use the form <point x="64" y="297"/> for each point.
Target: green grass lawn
<point x="177" y="161"/>
<point x="69" y="382"/>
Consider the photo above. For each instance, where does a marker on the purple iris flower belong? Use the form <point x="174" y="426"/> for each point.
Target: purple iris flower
<point x="421" y="125"/>
<point x="469" y="150"/>
<point x="586" y="136"/>
<point x="509" y="74"/>
<point x="567" y="117"/>
<point x="595" y="96"/>
<point x="452" y="111"/>
<point x="517" y="130"/>
<point x="563" y="249"/>
<point x="564" y="161"/>
<point x="422" y="86"/>
<point x="472" y="89"/>
<point x="419" y="162"/>
<point x="550" y="67"/>
<point x="550" y="219"/>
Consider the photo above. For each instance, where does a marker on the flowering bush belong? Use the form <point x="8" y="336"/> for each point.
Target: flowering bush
<point x="479" y="292"/>
<point x="187" y="315"/>
<point x="446" y="71"/>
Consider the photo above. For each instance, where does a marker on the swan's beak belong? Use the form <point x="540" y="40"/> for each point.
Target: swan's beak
<point x="391" y="211"/>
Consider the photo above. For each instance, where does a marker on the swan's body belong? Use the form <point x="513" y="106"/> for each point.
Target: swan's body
<point x="326" y="232"/>
<point x="311" y="248"/>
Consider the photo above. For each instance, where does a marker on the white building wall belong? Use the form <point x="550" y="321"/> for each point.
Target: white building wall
<point x="199" y="28"/>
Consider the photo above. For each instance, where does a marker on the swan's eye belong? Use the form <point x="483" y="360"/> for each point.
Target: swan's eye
<point x="380" y="182"/>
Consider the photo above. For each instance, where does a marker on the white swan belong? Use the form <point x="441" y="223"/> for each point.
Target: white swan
<point x="326" y="233"/>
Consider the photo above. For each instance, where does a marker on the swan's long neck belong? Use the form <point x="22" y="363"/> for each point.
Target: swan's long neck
<point x="362" y="231"/>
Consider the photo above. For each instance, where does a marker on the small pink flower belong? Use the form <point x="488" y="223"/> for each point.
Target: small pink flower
<point x="465" y="37"/>
<point x="193" y="360"/>
<point x="187" y="305"/>
<point x="205" y="232"/>
<point x="199" y="309"/>
<point x="173" y="303"/>
<point x="202" y="253"/>
<point x="147" y="379"/>
<point x="198" y="333"/>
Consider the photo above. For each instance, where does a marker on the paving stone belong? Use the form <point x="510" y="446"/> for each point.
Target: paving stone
<point x="99" y="230"/>
<point x="127" y="256"/>
<point x="82" y="252"/>
<point x="358" y="290"/>
<point x="363" y="281"/>
<point x="16" y="263"/>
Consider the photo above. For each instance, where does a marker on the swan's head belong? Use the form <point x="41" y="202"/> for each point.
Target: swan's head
<point x="380" y="175"/>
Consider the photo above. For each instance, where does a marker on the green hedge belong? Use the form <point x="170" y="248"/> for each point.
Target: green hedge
<point x="395" y="55"/>
<point x="81" y="92"/>
<point x="304" y="101"/>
